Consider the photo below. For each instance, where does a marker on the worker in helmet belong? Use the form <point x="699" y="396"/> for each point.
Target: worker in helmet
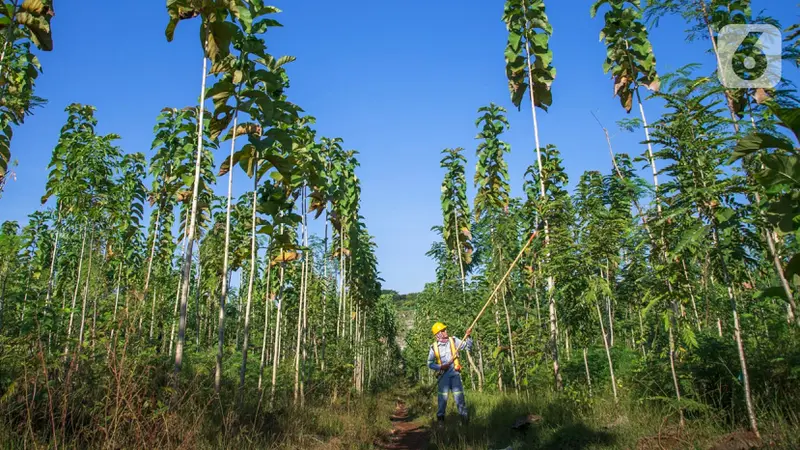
<point x="443" y="358"/>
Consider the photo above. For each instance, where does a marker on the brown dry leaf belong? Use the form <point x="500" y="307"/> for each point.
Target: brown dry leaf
<point x="761" y="96"/>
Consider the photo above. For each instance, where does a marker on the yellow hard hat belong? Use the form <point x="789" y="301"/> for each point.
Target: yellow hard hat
<point x="437" y="327"/>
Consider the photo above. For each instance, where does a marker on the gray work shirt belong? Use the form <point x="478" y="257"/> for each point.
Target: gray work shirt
<point x="444" y="352"/>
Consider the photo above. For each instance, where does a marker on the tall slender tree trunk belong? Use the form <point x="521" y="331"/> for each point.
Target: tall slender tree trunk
<point x="791" y="308"/>
<point x="350" y="300"/>
<point x="535" y="288"/>
<point x="499" y="345"/>
<point x="276" y="353"/>
<point x="649" y="150"/>
<point x="224" y="291"/>
<point x="3" y="299"/>
<point x="267" y="301"/>
<point x="641" y="333"/>
<point x="458" y="252"/>
<point x="301" y="305"/>
<point x="177" y="292"/>
<point x="364" y="349"/>
<point x="608" y="353"/>
<point x="691" y="296"/>
<point x="174" y="315"/>
<point x="94" y="321"/>
<point x="550" y="280"/>
<point x="75" y="294"/>
<point x="198" y="288"/>
<point x="737" y="333"/>
<point x="187" y="261"/>
<point x="672" y="367"/>
<point x="150" y="267"/>
<point x="116" y="301"/>
<point x="324" y="290"/>
<point x="473" y="372"/>
<point x="238" y="308"/>
<point x="309" y="269"/>
<point x="357" y="362"/>
<point x="253" y="251"/>
<point x="588" y="375"/>
<point x="51" y="274"/>
<point x="85" y="293"/>
<point x="510" y="343"/>
<point x="153" y="313"/>
<point x="609" y="306"/>
<point x="610" y="322"/>
<point x="340" y="313"/>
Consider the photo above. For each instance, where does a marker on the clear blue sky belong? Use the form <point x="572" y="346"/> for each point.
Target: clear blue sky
<point x="398" y="81"/>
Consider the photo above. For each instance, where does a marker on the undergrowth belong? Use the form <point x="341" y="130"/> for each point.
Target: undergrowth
<point x="106" y="399"/>
<point x="134" y="402"/>
<point x="567" y="421"/>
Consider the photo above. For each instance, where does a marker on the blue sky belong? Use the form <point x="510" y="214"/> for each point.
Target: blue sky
<point x="398" y="81"/>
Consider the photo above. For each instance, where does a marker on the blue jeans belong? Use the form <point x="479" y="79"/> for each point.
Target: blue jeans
<point x="450" y="381"/>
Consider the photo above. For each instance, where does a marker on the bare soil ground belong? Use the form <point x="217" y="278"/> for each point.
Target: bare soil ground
<point x="406" y="434"/>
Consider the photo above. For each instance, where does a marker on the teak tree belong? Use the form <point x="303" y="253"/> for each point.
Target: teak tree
<point x="216" y="33"/>
<point x="529" y="67"/>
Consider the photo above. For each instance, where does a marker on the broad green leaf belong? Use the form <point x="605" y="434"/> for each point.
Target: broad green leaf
<point x="790" y="118"/>
<point x="39" y="27"/>
<point x="759" y="141"/>
<point x="245" y="17"/>
<point x="595" y="6"/>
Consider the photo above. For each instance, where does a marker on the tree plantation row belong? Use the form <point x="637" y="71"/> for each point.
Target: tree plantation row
<point x="121" y="325"/>
<point x="678" y="289"/>
<point x="95" y="294"/>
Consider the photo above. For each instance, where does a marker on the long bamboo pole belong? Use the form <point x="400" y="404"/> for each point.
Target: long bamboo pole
<point x="502" y="280"/>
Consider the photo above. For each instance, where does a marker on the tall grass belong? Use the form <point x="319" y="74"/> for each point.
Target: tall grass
<point x="114" y="400"/>
<point x="571" y="421"/>
<point x="124" y="399"/>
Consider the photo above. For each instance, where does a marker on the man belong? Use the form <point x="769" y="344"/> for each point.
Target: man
<point x="443" y="358"/>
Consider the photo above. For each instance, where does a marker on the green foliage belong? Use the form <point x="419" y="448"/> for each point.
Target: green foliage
<point x="779" y="177"/>
<point x="21" y="25"/>
<point x="629" y="57"/>
<point x="455" y="209"/>
<point x="629" y="284"/>
<point x="491" y="172"/>
<point x="528" y="55"/>
<point x="216" y="32"/>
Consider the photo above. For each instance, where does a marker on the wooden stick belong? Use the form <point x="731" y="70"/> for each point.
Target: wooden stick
<point x="497" y="288"/>
<point x="508" y="272"/>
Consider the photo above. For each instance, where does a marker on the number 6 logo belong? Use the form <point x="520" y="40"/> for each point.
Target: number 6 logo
<point x="749" y="56"/>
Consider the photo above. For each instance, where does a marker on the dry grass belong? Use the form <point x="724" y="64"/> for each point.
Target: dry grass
<point x="116" y="402"/>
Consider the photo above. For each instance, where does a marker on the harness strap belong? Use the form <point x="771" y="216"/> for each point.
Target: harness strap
<point x="454" y="353"/>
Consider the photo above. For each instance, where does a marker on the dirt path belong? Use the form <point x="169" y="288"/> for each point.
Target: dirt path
<point x="406" y="434"/>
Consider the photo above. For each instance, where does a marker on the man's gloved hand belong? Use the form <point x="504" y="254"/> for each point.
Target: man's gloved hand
<point x="445" y="366"/>
<point x="466" y="335"/>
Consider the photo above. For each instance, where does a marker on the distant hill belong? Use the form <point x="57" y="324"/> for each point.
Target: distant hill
<point x="404" y="304"/>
